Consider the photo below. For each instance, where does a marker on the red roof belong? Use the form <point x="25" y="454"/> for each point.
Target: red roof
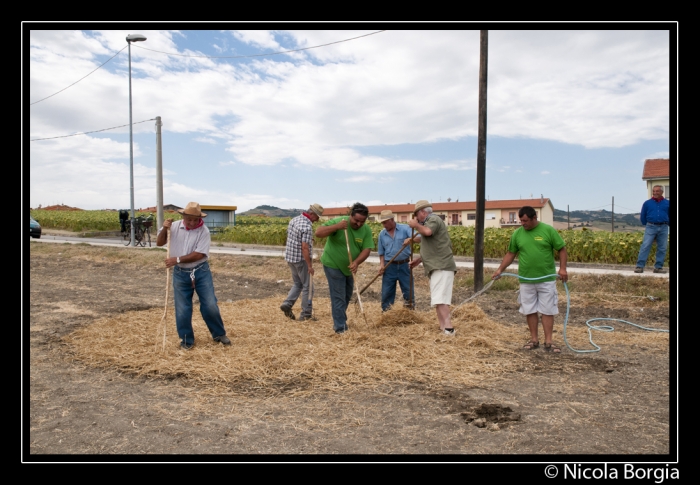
<point x="443" y="206"/>
<point x="655" y="168"/>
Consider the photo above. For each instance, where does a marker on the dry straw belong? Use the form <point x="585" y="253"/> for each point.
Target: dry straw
<point x="271" y="353"/>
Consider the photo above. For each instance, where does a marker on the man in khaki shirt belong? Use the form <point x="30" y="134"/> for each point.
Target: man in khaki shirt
<point x="438" y="261"/>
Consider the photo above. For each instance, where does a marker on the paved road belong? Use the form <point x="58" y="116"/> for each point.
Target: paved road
<point x="573" y="268"/>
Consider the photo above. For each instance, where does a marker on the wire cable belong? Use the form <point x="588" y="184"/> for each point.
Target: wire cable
<point x="76" y="82"/>
<point x="87" y="132"/>
<point x="261" y="55"/>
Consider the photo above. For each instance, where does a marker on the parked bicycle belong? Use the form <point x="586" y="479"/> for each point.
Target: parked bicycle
<point x="142" y="229"/>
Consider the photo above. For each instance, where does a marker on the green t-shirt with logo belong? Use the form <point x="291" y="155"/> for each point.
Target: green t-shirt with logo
<point x="335" y="253"/>
<point x="535" y="251"/>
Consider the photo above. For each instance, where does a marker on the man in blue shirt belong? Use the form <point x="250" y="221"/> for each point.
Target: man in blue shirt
<point x="654" y="216"/>
<point x="390" y="242"/>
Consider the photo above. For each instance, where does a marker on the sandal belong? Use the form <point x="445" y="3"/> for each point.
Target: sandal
<point x="531" y="345"/>
<point x="552" y="348"/>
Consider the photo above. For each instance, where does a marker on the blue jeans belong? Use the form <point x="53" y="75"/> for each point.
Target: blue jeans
<point x="653" y="233"/>
<point x="340" y="289"/>
<point x="392" y="274"/>
<point x="183" y="293"/>
<point x="302" y="283"/>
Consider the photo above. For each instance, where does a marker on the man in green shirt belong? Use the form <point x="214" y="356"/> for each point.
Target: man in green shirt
<point x="534" y="243"/>
<point x="438" y="261"/>
<point x="339" y="271"/>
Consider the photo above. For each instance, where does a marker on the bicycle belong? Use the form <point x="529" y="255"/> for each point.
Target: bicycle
<point x="142" y="231"/>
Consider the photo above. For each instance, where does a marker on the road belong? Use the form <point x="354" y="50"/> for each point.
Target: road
<point x="255" y="250"/>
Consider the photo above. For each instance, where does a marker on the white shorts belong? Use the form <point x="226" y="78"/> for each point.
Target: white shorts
<point x="441" y="287"/>
<point x="539" y="297"/>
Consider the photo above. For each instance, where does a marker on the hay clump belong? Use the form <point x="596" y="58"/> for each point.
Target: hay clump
<point x="397" y="316"/>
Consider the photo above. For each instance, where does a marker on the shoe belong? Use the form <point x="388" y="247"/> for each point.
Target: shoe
<point x="449" y="331"/>
<point x="659" y="270"/>
<point x="185" y="346"/>
<point x="288" y="312"/>
<point x="223" y="339"/>
<point x="552" y="348"/>
<point x="310" y="318"/>
<point x="639" y="269"/>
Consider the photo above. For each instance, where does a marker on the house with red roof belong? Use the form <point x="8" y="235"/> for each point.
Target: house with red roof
<point x="497" y="213"/>
<point x="657" y="171"/>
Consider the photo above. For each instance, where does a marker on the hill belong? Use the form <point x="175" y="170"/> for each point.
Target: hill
<point x="592" y="217"/>
<point x="271" y="211"/>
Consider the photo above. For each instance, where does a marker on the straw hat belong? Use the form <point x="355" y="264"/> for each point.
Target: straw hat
<point x="422" y="204"/>
<point x="192" y="209"/>
<point x="316" y="209"/>
<point x="385" y="215"/>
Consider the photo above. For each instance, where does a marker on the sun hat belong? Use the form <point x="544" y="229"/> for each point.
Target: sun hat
<point x="192" y="209"/>
<point x="422" y="204"/>
<point x="385" y="215"/>
<point x="316" y="209"/>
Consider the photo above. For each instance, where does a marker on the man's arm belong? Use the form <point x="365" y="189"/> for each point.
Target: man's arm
<point x="325" y="231"/>
<point x="306" y="253"/>
<point x="562" y="265"/>
<point x="420" y="229"/>
<point x="643" y="215"/>
<point x="507" y="260"/>
<point x="163" y="233"/>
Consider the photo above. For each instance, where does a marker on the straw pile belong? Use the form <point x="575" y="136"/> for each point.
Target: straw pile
<point x="271" y="353"/>
<point x="270" y="350"/>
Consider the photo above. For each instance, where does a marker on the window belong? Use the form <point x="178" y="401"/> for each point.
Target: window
<point x="511" y="217"/>
<point x="455" y="219"/>
<point x="471" y="217"/>
<point x="441" y="216"/>
<point x="404" y="218"/>
<point x="667" y="191"/>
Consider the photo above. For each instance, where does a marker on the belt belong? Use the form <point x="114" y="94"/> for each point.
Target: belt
<point x="658" y="223"/>
<point x="189" y="270"/>
<point x="400" y="262"/>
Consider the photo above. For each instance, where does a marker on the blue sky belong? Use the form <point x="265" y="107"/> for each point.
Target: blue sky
<point x="390" y="117"/>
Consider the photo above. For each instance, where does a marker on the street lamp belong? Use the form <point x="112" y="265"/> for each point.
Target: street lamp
<point x="129" y="39"/>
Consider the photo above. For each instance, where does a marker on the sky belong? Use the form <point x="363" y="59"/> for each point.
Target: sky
<point x="293" y="117"/>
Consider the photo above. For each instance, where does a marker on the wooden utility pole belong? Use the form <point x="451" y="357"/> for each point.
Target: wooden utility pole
<point x="481" y="165"/>
<point x="613" y="214"/>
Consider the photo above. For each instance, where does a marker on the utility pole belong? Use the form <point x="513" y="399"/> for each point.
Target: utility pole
<point x="613" y="214"/>
<point x="568" y="217"/>
<point x="159" y="173"/>
<point x="481" y="165"/>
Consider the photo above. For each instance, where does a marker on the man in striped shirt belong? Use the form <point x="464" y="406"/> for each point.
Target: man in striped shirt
<point x="299" y="254"/>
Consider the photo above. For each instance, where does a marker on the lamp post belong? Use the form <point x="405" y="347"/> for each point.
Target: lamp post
<point x="129" y="39"/>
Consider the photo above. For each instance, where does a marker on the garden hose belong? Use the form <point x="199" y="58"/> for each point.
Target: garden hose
<point x="602" y="328"/>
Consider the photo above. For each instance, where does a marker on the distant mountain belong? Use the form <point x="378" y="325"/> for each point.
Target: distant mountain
<point x="271" y="211"/>
<point x="596" y="216"/>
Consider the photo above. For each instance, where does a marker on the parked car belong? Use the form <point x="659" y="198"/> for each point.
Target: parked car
<point x="34" y="228"/>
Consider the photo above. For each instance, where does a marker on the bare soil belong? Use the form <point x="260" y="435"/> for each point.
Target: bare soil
<point x="613" y="402"/>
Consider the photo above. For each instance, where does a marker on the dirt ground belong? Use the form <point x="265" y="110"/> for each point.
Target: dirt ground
<point x="613" y="402"/>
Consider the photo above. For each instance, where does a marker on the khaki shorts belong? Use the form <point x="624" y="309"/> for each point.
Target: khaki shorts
<point x="441" y="287"/>
<point x="539" y="297"/>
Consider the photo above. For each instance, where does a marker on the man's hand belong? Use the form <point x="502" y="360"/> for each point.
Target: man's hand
<point x="353" y="267"/>
<point x="167" y="223"/>
<point x="342" y="225"/>
<point x="170" y="262"/>
<point x="416" y="261"/>
<point x="311" y="269"/>
<point x="563" y="275"/>
<point x="496" y="274"/>
<point x="381" y="270"/>
<point x="413" y="223"/>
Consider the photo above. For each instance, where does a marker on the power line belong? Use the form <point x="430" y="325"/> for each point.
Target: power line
<point x="76" y="82"/>
<point x="209" y="57"/>
<point x="87" y="132"/>
<point x="261" y="55"/>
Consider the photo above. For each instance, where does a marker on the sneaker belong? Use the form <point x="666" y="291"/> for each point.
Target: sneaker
<point x="449" y="331"/>
<point x="639" y="269"/>
<point x="223" y="339"/>
<point x="288" y="312"/>
<point x="659" y="270"/>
